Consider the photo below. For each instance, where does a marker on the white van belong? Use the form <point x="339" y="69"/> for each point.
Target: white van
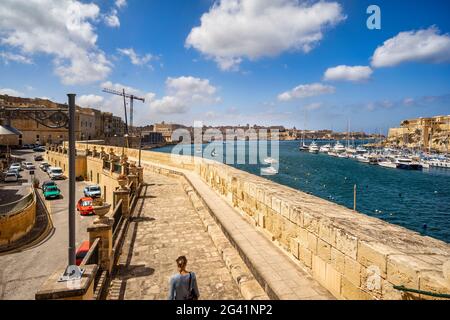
<point x="55" y="173"/>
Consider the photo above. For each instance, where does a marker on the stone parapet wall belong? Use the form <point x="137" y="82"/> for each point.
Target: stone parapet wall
<point x="17" y="225"/>
<point x="351" y="254"/>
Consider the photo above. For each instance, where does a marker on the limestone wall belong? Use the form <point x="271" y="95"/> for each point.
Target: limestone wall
<point x="61" y="160"/>
<point x="353" y="255"/>
<point x="15" y="225"/>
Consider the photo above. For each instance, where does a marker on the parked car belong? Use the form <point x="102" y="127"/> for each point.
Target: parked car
<point x="44" y="166"/>
<point x="16" y="165"/>
<point x="28" y="165"/>
<point x="93" y="191"/>
<point x="11" y="177"/>
<point x="84" y="206"/>
<point x="47" y="184"/>
<point x="38" y="158"/>
<point x="14" y="170"/>
<point x="83" y="249"/>
<point x="52" y="192"/>
<point x="39" y="149"/>
<point x="55" y="173"/>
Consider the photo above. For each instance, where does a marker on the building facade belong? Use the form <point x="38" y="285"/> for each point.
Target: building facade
<point x="431" y="134"/>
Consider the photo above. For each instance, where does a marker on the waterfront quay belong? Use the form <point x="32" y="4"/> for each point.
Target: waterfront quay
<point x="336" y="252"/>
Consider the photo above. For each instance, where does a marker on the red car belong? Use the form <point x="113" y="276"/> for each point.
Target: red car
<point x="81" y="252"/>
<point x="84" y="206"/>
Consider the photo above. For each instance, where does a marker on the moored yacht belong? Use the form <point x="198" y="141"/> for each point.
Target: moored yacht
<point x="361" y="150"/>
<point x="388" y="163"/>
<point x="408" y="164"/>
<point x="339" y="147"/>
<point x="313" y="147"/>
<point x="325" y="148"/>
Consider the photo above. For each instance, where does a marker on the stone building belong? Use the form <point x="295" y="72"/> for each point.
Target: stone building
<point x="90" y="124"/>
<point x="422" y="133"/>
<point x="166" y="129"/>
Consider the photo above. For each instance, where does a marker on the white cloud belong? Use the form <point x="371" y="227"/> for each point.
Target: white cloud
<point x="136" y="59"/>
<point x="348" y="73"/>
<point x="11" y="92"/>
<point x="425" y="45"/>
<point x="121" y="3"/>
<point x="234" y="29"/>
<point x="90" y="100"/>
<point x="184" y="93"/>
<point x="8" y="57"/>
<point x="305" y="91"/>
<point x="112" y="20"/>
<point x="62" y="29"/>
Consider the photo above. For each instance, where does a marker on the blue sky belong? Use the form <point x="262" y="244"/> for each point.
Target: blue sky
<point x="232" y="62"/>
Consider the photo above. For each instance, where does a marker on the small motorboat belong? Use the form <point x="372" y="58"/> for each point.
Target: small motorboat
<point x="270" y="160"/>
<point x="269" y="171"/>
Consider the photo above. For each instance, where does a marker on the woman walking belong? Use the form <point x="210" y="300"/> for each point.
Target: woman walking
<point x="183" y="285"/>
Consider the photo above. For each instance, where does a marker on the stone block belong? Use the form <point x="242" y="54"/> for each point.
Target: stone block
<point x="352" y="271"/>
<point x="319" y="269"/>
<point x="276" y="205"/>
<point x="351" y="292"/>
<point x="295" y="216"/>
<point x="305" y="256"/>
<point x="312" y="243"/>
<point x="404" y="270"/>
<point x="372" y="281"/>
<point x="346" y="243"/>
<point x="323" y="250"/>
<point x="285" y="209"/>
<point x="337" y="260"/>
<point x="311" y="223"/>
<point x="294" y="248"/>
<point x="303" y="237"/>
<point x="374" y="253"/>
<point x="333" y="280"/>
<point x="327" y="232"/>
<point x="433" y="281"/>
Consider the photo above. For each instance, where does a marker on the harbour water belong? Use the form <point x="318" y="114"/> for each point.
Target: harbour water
<point x="417" y="200"/>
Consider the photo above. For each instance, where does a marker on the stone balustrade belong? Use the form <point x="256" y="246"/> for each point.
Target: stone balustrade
<point x="353" y="255"/>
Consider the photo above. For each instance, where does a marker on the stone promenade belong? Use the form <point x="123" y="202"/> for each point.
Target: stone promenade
<point x="166" y="226"/>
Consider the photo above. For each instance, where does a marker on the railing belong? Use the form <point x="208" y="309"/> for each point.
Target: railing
<point x="427" y="293"/>
<point x="12" y="208"/>
<point x="117" y="215"/>
<point x="92" y="255"/>
<point x="101" y="277"/>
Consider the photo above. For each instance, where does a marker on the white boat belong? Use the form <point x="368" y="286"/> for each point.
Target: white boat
<point x="437" y="163"/>
<point x="332" y="153"/>
<point x="339" y="147"/>
<point x="313" y="148"/>
<point x="361" y="150"/>
<point x="269" y="171"/>
<point x="303" y="147"/>
<point x="214" y="153"/>
<point x="408" y="164"/>
<point x="350" y="150"/>
<point x="343" y="155"/>
<point x="388" y="163"/>
<point x="270" y="160"/>
<point x="325" y="148"/>
<point x="362" y="158"/>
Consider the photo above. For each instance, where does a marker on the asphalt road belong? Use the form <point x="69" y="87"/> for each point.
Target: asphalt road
<point x="22" y="273"/>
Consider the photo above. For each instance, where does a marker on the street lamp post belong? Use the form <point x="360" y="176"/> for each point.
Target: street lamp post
<point x="71" y="260"/>
<point x="140" y="147"/>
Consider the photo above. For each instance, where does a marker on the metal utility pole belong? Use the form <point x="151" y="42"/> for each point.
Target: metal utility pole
<point x="72" y="200"/>
<point x="125" y="96"/>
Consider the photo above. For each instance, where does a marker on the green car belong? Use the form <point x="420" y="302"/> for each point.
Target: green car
<point x="52" y="192"/>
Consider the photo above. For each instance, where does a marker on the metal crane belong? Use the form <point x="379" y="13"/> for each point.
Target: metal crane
<point x="125" y="96"/>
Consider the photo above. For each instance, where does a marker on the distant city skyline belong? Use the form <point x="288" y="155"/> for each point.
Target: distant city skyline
<point x="308" y="64"/>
